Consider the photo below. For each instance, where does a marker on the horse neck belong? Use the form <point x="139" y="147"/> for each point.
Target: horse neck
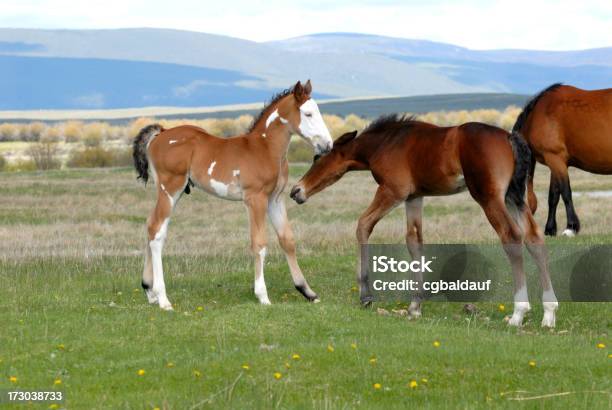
<point x="276" y="137"/>
<point x="358" y="153"/>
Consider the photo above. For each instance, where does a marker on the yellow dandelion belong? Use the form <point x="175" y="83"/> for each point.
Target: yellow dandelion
<point x="372" y="360"/>
<point x="330" y="348"/>
<point x="354" y="289"/>
<point x="156" y="408"/>
<point x="197" y="373"/>
<point x="532" y="363"/>
<point x="377" y="386"/>
<point x="61" y="346"/>
<point x="199" y="308"/>
<point x="135" y="290"/>
<point x="424" y="381"/>
<point x="57" y="382"/>
<point x="13" y="379"/>
<point x="413" y="384"/>
<point x="436" y="343"/>
<point x="601" y="346"/>
<point x="169" y="365"/>
<point x="246" y="366"/>
<point x="287" y="365"/>
<point x="610" y="356"/>
<point x="353" y="346"/>
<point x="295" y="356"/>
<point x="501" y="307"/>
<point x="54" y="406"/>
<point x="278" y="375"/>
<point x="141" y="372"/>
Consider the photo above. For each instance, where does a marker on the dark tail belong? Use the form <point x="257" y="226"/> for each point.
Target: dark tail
<point x="522" y="161"/>
<point x="524" y="115"/>
<point x="141" y="163"/>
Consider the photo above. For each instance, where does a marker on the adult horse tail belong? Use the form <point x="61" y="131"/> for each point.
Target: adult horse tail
<point x="519" y="126"/>
<point x="515" y="195"/>
<point x="141" y="142"/>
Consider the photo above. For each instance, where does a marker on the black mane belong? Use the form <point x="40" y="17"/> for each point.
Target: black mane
<point x="388" y="128"/>
<point x="522" y="118"/>
<point x="275" y="98"/>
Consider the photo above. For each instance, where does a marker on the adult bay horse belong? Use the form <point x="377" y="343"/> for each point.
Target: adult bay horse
<point x="251" y="168"/>
<point x="410" y="160"/>
<point x="567" y="127"/>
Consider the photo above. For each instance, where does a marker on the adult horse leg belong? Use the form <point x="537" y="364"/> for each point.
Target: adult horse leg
<point x="169" y="190"/>
<point x="560" y="186"/>
<point x="384" y="201"/>
<point x="511" y="237"/>
<point x="278" y="217"/>
<point x="256" y="205"/>
<point x="536" y="247"/>
<point x="414" y="242"/>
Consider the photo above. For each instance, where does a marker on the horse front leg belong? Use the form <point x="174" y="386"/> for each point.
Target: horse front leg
<point x="384" y="201"/>
<point x="414" y="242"/>
<point x="278" y="217"/>
<point x="256" y="205"/>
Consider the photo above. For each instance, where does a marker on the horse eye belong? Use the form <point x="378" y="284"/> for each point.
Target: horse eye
<point x="309" y="114"/>
<point x="316" y="158"/>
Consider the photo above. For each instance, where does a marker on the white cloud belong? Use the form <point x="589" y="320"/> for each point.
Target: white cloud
<point x="544" y="24"/>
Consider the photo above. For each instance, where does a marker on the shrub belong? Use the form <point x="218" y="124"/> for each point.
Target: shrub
<point x="21" y="165"/>
<point x="8" y="132"/>
<point x="32" y="131"/>
<point x="94" y="133"/>
<point x="44" y="155"/>
<point x="73" y="131"/>
<point x="300" y="151"/>
<point x="90" y="157"/>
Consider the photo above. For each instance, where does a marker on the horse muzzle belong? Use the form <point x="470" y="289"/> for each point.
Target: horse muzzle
<point x="298" y="194"/>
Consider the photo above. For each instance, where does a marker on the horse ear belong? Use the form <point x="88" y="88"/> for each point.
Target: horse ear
<point x="307" y="88"/>
<point x="346" y="137"/>
<point x="298" y="91"/>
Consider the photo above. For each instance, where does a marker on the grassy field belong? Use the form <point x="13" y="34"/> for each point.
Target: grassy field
<point x="74" y="318"/>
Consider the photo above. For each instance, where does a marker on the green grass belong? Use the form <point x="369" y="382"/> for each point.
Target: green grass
<point x="84" y="320"/>
<point x="95" y="310"/>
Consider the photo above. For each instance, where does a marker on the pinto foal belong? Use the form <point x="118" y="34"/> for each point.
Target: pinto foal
<point x="410" y="160"/>
<point x="251" y="168"/>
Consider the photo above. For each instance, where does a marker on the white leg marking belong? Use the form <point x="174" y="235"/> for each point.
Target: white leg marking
<point x="521" y="307"/>
<point x="260" y="284"/>
<point x="414" y="310"/>
<point x="211" y="167"/>
<point x="172" y="142"/>
<point x="159" y="287"/>
<point x="570" y="233"/>
<point x="549" y="301"/>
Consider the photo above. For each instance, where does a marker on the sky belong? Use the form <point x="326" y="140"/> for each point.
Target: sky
<point x="476" y="24"/>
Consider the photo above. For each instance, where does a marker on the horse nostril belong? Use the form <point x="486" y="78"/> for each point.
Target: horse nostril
<point x="294" y="192"/>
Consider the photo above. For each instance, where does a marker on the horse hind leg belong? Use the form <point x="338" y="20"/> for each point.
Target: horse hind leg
<point x="536" y="247"/>
<point x="510" y="234"/>
<point x="168" y="193"/>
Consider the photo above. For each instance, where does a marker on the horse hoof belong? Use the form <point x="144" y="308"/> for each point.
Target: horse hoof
<point x="515" y="321"/>
<point x="316" y="300"/>
<point x="167" y="307"/>
<point x="548" y="321"/>
<point x="570" y="233"/>
<point x="550" y="231"/>
<point x="366" y="301"/>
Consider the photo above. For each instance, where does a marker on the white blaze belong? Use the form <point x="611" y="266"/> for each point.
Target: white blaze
<point x="211" y="167"/>
<point x="312" y="127"/>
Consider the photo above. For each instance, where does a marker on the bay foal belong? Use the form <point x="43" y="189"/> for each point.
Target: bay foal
<point x="251" y="168"/>
<point x="410" y="160"/>
<point x="567" y="127"/>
